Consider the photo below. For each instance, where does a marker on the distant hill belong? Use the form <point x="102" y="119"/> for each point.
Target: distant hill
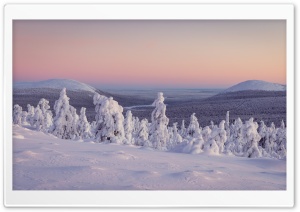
<point x="256" y="85"/>
<point x="69" y="84"/>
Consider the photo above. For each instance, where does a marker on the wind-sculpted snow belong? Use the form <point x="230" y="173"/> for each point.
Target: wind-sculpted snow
<point x="42" y="161"/>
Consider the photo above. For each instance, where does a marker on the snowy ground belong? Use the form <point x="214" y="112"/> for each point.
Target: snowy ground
<point x="44" y="162"/>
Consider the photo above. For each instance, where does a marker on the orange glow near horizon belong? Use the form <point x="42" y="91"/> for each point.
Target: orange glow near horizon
<point x="153" y="53"/>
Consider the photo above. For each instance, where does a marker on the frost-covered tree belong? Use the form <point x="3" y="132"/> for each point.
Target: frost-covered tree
<point x="175" y="138"/>
<point x="128" y="128"/>
<point x="194" y="146"/>
<point x="30" y="114"/>
<point x="47" y="114"/>
<point x="193" y="129"/>
<point x="24" y="117"/>
<point x="84" y="127"/>
<point x="217" y="137"/>
<point x="267" y="144"/>
<point x="212" y="125"/>
<point x="38" y="119"/>
<point x="17" y="114"/>
<point x="109" y="120"/>
<point x="63" y="120"/>
<point x="182" y="131"/>
<point x="262" y="131"/>
<point x="206" y="131"/>
<point x="251" y="137"/>
<point x="74" y="124"/>
<point x="227" y="125"/>
<point x="143" y="134"/>
<point x="235" y="144"/>
<point x="159" y="122"/>
<point x="281" y="141"/>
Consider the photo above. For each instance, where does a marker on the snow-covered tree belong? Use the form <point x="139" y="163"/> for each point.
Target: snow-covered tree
<point x="109" y="120"/>
<point x="63" y="120"/>
<point x="251" y="137"/>
<point x="38" y="119"/>
<point x="159" y="122"/>
<point x="84" y="127"/>
<point x="175" y="138"/>
<point x="206" y="131"/>
<point x="74" y="124"/>
<point x="235" y="143"/>
<point x="128" y="128"/>
<point x="193" y="146"/>
<point x="267" y="144"/>
<point x="17" y="114"/>
<point x="24" y="117"/>
<point x="262" y="131"/>
<point x="193" y="129"/>
<point x="227" y="125"/>
<point x="47" y="114"/>
<point x="212" y="125"/>
<point x="281" y="141"/>
<point x="182" y="131"/>
<point x="143" y="134"/>
<point x="30" y="114"/>
<point x="217" y="137"/>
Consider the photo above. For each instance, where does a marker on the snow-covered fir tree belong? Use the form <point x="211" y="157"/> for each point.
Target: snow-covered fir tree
<point x="109" y="120"/>
<point x="235" y="143"/>
<point x="143" y="134"/>
<point x="251" y="137"/>
<point x="24" y="117"/>
<point x="206" y="131"/>
<point x="74" y="125"/>
<point x="47" y="114"/>
<point x="128" y="128"/>
<point x="174" y="136"/>
<point x="182" y="131"/>
<point x="159" y="122"/>
<point x="63" y="120"/>
<point x="227" y="125"/>
<point x="193" y="129"/>
<point x="281" y="139"/>
<point x="262" y="131"/>
<point x="84" y="127"/>
<point x="38" y="119"/>
<point x="30" y="114"/>
<point x="17" y="114"/>
<point x="216" y="142"/>
<point x="212" y="125"/>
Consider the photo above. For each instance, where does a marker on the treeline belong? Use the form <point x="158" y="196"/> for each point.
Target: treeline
<point x="248" y="139"/>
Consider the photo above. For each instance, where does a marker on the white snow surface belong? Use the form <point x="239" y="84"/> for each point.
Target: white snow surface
<point x="69" y="84"/>
<point x="43" y="162"/>
<point x="256" y="85"/>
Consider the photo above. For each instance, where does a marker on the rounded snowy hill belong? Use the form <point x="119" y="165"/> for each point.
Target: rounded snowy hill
<point x="69" y="84"/>
<point x="256" y="85"/>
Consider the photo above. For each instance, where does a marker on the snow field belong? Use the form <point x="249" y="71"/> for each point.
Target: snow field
<point x="42" y="161"/>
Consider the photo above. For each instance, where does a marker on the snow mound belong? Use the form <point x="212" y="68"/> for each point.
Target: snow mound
<point x="256" y="85"/>
<point x="69" y="84"/>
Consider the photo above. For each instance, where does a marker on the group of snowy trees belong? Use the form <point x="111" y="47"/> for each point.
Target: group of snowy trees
<point x="248" y="139"/>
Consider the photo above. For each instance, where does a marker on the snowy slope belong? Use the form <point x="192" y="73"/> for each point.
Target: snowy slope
<point x="256" y="85"/>
<point x="56" y="83"/>
<point x="44" y="162"/>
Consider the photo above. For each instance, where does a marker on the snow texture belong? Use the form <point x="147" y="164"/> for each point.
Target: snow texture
<point x="44" y="162"/>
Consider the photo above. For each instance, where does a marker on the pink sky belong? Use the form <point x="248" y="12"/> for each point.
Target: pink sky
<point x="150" y="53"/>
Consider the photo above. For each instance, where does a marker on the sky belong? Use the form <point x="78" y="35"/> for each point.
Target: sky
<point x="150" y="53"/>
